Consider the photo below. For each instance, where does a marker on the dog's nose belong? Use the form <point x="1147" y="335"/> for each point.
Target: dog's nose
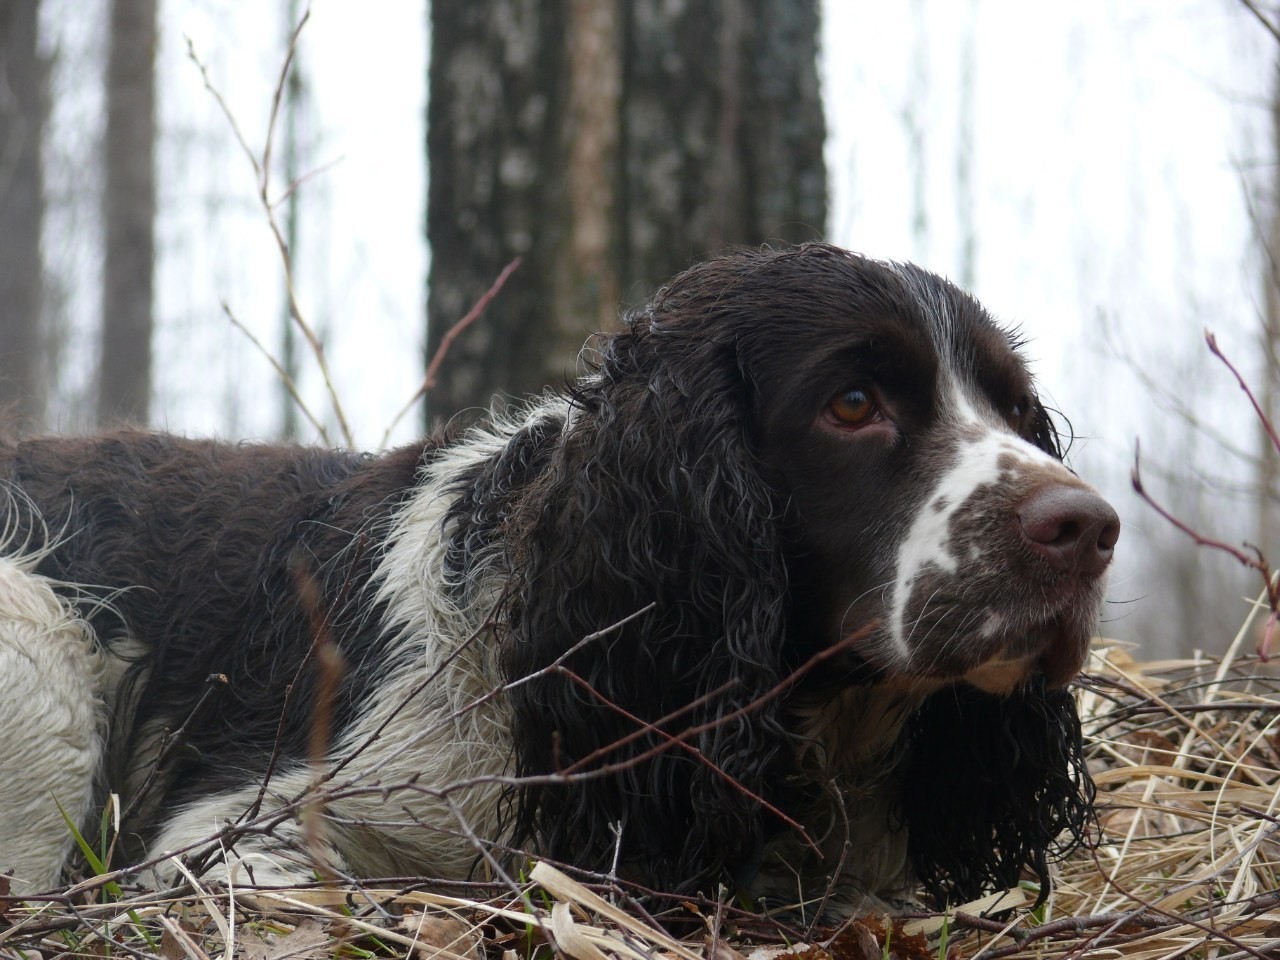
<point x="1074" y="530"/>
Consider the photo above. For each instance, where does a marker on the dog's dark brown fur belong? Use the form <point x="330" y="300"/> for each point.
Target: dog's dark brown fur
<point x="703" y="501"/>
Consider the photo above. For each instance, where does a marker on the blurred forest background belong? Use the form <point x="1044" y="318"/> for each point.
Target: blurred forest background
<point x="1104" y="176"/>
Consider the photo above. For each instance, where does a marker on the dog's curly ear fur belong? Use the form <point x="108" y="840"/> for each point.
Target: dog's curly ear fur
<point x="994" y="785"/>
<point x="653" y="500"/>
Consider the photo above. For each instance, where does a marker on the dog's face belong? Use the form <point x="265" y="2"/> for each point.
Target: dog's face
<point x="920" y="471"/>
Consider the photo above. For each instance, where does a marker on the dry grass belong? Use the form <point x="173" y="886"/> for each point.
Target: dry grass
<point x="1186" y="755"/>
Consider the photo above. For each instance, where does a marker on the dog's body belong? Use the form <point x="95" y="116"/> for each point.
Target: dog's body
<point x="783" y="595"/>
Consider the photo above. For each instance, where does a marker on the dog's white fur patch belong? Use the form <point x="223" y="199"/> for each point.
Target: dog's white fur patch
<point x="406" y="803"/>
<point x="981" y="449"/>
<point x="51" y="718"/>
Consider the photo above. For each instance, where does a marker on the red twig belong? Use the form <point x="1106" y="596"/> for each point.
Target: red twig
<point x="668" y="741"/>
<point x="452" y="333"/>
<point x="772" y="693"/>
<point x="472" y="315"/>
<point x="1256" y="561"/>
<point x="681" y="739"/>
<point x="1257" y="407"/>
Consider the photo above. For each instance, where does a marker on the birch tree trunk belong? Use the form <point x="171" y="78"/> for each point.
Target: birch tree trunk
<point x="1268" y="479"/>
<point x="124" y="385"/>
<point x="608" y="144"/>
<point x="23" y="108"/>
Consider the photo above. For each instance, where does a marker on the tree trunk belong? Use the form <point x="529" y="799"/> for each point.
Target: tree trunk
<point x="492" y="154"/>
<point x="23" y="108"/>
<point x="1268" y="481"/>
<point x="124" y="385"/>
<point x="609" y="144"/>
<point x="294" y="106"/>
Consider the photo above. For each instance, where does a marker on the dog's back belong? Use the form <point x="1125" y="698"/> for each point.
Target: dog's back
<point x="148" y="560"/>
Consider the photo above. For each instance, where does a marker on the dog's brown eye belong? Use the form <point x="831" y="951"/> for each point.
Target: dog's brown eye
<point x="853" y="407"/>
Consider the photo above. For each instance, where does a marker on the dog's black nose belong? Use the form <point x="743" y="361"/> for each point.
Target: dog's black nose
<point x="1075" y="530"/>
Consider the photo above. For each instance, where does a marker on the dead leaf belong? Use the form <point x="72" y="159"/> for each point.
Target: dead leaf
<point x="865" y="939"/>
<point x="570" y="937"/>
<point x="176" y="942"/>
<point x="719" y="950"/>
<point x="442" y="936"/>
<point x="307" y="941"/>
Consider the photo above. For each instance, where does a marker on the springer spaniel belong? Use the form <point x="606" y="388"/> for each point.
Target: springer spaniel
<point x="784" y="595"/>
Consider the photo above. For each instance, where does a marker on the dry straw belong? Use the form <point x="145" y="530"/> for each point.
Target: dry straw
<point x="1186" y="755"/>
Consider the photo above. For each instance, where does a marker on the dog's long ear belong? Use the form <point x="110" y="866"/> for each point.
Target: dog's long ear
<point x="994" y="785"/>
<point x="651" y="504"/>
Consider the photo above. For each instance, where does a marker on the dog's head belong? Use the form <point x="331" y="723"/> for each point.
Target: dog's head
<point x="787" y="453"/>
<point x="921" y="473"/>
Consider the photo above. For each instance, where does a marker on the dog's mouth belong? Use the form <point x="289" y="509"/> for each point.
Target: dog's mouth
<point x="1057" y="650"/>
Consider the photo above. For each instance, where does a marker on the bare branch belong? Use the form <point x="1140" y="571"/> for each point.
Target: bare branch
<point x="307" y="177"/>
<point x="226" y="111"/>
<point x="262" y="171"/>
<point x="1262" y="18"/>
<point x="278" y="96"/>
<point x="429" y="380"/>
<point x="283" y="374"/>
<point x="1254" y="561"/>
<point x="1135" y="478"/>
<point x="1257" y="407"/>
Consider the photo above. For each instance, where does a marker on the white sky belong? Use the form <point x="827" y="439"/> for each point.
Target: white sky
<point x="1110" y="147"/>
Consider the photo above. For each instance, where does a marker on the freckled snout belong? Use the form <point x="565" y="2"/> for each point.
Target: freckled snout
<point x="1073" y="529"/>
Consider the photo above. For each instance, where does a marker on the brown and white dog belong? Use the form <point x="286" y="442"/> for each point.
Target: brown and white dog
<point x="783" y="594"/>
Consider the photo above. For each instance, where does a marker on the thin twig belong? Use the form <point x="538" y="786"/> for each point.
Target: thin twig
<point x="1262" y="19"/>
<point x="429" y="380"/>
<point x="483" y="850"/>
<point x="262" y="176"/>
<point x="1257" y="561"/>
<point x="305" y="178"/>
<point x="226" y="110"/>
<point x="1263" y="417"/>
<point x="170" y="741"/>
<point x="452" y="333"/>
<point x="330" y="667"/>
<point x="289" y="385"/>
<point x="278" y="96"/>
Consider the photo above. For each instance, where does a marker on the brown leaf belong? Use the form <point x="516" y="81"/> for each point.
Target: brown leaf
<point x="307" y="941"/>
<point x="719" y="950"/>
<point x="174" y="939"/>
<point x="442" y="936"/>
<point x="865" y="940"/>
<point x="857" y="941"/>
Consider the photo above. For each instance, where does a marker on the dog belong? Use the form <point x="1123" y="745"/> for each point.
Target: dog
<point x="781" y="597"/>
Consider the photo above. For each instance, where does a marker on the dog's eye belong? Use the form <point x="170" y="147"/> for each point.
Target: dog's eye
<point x="1020" y="407"/>
<point x="853" y="407"/>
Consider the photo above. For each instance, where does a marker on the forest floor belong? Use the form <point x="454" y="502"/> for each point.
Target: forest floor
<point x="1185" y="754"/>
